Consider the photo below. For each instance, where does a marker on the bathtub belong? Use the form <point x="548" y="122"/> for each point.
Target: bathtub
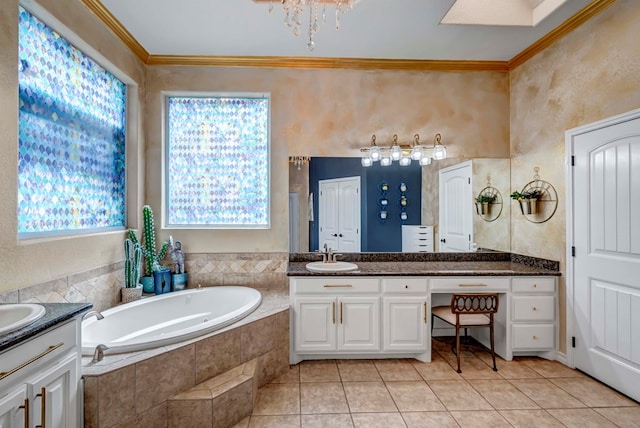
<point x="168" y="318"/>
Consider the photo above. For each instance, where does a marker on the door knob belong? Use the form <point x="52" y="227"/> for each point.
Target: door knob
<point x="335" y="234"/>
<point x="340" y="235"/>
<point x="443" y="240"/>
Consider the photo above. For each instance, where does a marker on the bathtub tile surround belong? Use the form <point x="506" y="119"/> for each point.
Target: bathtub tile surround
<point x="260" y="270"/>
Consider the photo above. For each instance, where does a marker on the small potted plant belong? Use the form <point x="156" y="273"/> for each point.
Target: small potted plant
<point x="148" y="248"/>
<point x="482" y="203"/>
<point x="179" y="277"/>
<point x="528" y="201"/>
<point x="132" y="290"/>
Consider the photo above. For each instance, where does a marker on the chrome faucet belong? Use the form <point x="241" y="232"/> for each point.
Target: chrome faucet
<point x="98" y="354"/>
<point x="97" y="314"/>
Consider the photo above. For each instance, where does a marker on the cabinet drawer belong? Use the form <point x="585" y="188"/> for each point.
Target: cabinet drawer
<point x="333" y="285"/>
<point x="538" y="284"/>
<point x="404" y="285"/>
<point x="529" y="336"/>
<point x="533" y="308"/>
<point x="470" y="284"/>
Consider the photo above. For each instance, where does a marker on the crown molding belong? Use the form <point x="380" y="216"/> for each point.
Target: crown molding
<point x="350" y="63"/>
<point x="116" y="26"/>
<point x="588" y="12"/>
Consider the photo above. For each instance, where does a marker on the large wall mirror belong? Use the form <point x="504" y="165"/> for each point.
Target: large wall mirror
<point x="389" y="197"/>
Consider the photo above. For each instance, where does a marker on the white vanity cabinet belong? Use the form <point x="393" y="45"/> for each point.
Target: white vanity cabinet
<point x="533" y="315"/>
<point x="39" y="380"/>
<point x="405" y="314"/>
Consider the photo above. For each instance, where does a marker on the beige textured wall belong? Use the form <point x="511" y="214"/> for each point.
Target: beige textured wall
<point x="591" y="74"/>
<point x="334" y="112"/>
<point x="26" y="263"/>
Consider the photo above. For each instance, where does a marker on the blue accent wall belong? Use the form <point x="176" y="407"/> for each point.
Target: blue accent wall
<point x="376" y="236"/>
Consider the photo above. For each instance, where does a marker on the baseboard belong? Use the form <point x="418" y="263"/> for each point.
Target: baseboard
<point x="562" y="358"/>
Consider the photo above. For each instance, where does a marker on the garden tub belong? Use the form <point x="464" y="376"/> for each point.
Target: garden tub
<point x="168" y="318"/>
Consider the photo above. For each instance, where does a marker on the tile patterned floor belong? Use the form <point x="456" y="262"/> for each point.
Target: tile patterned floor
<point x="526" y="392"/>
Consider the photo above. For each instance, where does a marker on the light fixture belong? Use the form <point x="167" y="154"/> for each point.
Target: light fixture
<point x="294" y="9"/>
<point x="299" y="161"/>
<point x="403" y="153"/>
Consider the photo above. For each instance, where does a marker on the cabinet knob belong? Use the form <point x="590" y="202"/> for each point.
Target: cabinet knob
<point x="534" y="308"/>
<point x="535" y="285"/>
<point x="535" y="337"/>
<point x="406" y="286"/>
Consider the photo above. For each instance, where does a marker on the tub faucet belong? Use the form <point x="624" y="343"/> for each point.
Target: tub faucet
<point x="97" y="314"/>
<point x="98" y="354"/>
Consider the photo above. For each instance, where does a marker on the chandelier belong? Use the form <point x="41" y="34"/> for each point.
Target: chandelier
<point x="294" y="9"/>
<point x="403" y="153"/>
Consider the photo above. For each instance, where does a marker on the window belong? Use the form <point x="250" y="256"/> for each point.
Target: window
<point x="71" y="154"/>
<point x="217" y="162"/>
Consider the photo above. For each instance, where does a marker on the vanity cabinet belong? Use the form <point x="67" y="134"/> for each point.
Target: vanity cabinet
<point x="533" y="314"/>
<point x="41" y="377"/>
<point x="405" y="314"/>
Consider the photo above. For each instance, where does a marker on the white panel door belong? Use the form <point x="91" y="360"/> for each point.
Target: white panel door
<point x="359" y="324"/>
<point x="13" y="408"/>
<point x="339" y="214"/>
<point x="53" y="389"/>
<point x="405" y="323"/>
<point x="456" y="208"/>
<point x="606" y="276"/>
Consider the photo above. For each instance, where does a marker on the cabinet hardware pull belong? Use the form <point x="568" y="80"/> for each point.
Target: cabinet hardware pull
<point x="472" y="285"/>
<point x="425" y="312"/>
<point x="535" y="337"/>
<point x="333" y="311"/>
<point x="26" y="363"/>
<point x="341" y="313"/>
<point x="534" y="308"/>
<point x="25" y="406"/>
<point x="43" y="409"/>
<point x="535" y="285"/>
<point x="338" y="286"/>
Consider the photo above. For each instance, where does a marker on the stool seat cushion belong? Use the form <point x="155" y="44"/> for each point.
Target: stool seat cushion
<point x="444" y="313"/>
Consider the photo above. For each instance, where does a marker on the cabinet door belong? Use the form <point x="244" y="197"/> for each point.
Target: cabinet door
<point x="56" y="388"/>
<point x="14" y="408"/>
<point x="405" y="323"/>
<point x="359" y="324"/>
<point x="315" y="324"/>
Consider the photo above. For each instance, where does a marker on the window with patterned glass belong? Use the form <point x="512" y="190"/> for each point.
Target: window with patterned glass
<point x="71" y="145"/>
<point x="217" y="153"/>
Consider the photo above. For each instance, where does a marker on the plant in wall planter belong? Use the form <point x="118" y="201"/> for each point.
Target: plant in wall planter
<point x="132" y="290"/>
<point x="482" y="203"/>
<point x="149" y="248"/>
<point x="528" y="201"/>
<point x="180" y="277"/>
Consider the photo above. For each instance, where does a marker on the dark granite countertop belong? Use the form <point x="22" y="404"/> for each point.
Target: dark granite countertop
<point x="55" y="314"/>
<point x="431" y="264"/>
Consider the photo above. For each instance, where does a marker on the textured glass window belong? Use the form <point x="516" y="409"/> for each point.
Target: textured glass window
<point x="218" y="162"/>
<point x="71" y="158"/>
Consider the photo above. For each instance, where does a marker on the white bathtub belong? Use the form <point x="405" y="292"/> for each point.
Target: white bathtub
<point x="168" y="318"/>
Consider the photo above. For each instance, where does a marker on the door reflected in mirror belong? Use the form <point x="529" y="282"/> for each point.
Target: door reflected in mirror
<point x="411" y="197"/>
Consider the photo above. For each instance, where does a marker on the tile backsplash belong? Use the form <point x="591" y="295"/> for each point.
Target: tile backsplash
<point x="101" y="286"/>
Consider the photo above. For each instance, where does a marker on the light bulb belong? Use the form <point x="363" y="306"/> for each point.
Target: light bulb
<point x="385" y="161"/>
<point x="406" y="161"/>
<point x="396" y="153"/>
<point x="439" y="152"/>
<point x="366" y="161"/>
<point x="416" y="153"/>
<point x="374" y="153"/>
<point x="426" y="160"/>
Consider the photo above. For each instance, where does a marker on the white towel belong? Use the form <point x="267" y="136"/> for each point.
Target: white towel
<point x="310" y="206"/>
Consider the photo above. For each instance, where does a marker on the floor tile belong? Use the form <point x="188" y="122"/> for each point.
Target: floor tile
<point x="593" y="393"/>
<point x="436" y="370"/>
<point x="480" y="419"/>
<point x="288" y="421"/>
<point x="378" y="420"/>
<point x="326" y="421"/>
<point x="473" y="367"/>
<point x="530" y="419"/>
<point x="581" y="418"/>
<point x="414" y="396"/>
<point x="549" y="369"/>
<point x="458" y="395"/>
<point x="366" y="397"/>
<point x="546" y="394"/>
<point x="278" y="399"/>
<point x="628" y="417"/>
<point x="502" y="395"/>
<point x="319" y="371"/>
<point x="358" y="370"/>
<point x="397" y="370"/>
<point x="323" y="397"/>
<point x="291" y="375"/>
<point x="243" y="423"/>
<point x="429" y="420"/>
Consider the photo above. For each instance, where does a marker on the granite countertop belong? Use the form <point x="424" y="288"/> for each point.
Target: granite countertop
<point x="55" y="314"/>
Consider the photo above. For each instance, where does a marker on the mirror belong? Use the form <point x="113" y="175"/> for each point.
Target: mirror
<point x="490" y="231"/>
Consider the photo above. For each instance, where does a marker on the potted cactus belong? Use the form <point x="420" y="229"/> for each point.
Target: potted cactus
<point x="148" y="248"/>
<point x="132" y="290"/>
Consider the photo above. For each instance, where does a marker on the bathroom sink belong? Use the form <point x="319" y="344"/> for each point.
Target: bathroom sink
<point x="331" y="267"/>
<point x="15" y="316"/>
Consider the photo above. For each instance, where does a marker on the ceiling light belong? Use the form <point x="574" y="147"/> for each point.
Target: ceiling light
<point x="294" y="9"/>
<point x="299" y="161"/>
<point x="403" y="153"/>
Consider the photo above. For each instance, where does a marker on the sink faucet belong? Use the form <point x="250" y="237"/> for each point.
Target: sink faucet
<point x="98" y="354"/>
<point x="97" y="314"/>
